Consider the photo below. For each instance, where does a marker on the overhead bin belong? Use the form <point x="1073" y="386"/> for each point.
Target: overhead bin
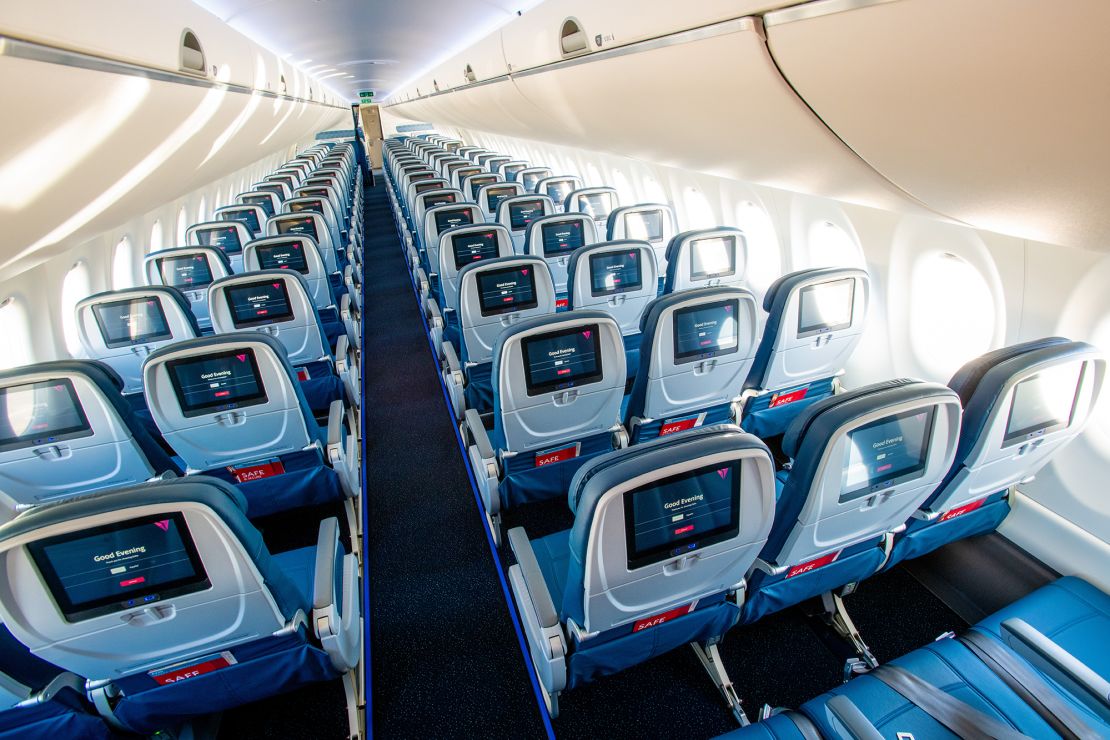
<point x="993" y="112"/>
<point x="708" y="99"/>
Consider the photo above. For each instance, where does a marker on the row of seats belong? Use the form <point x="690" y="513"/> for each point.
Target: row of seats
<point x="866" y="477"/>
<point x="139" y="593"/>
<point x="1039" y="668"/>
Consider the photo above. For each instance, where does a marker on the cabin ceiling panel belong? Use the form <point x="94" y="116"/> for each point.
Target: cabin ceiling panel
<point x="374" y="45"/>
<point x="992" y="112"/>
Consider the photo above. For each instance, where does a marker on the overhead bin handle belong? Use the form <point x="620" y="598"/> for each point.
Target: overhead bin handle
<point x="572" y="38"/>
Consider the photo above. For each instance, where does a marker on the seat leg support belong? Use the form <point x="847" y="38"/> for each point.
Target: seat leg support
<point x="355" y="708"/>
<point x="842" y="622"/>
<point x="710" y="659"/>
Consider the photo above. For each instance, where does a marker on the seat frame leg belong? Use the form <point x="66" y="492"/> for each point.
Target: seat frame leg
<point x="710" y="659"/>
<point x="841" y="621"/>
<point x="356" y="706"/>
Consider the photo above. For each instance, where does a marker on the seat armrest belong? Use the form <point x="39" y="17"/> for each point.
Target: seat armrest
<point x="334" y="440"/>
<point x="342" y="352"/>
<point x="451" y="364"/>
<point x="478" y="434"/>
<point x="421" y="278"/>
<point x="538" y="592"/>
<point x="336" y="609"/>
<point x="435" y="317"/>
<point x="1047" y="655"/>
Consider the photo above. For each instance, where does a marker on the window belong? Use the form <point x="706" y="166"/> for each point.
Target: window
<point x="952" y="312"/>
<point x="17" y="338"/>
<point x="123" y="260"/>
<point x="75" y="286"/>
<point x="182" y="227"/>
<point x="155" y="237"/>
<point x="653" y="191"/>
<point x="764" y="255"/>
<point x="699" y="214"/>
<point x="832" y="246"/>
<point x="202" y="210"/>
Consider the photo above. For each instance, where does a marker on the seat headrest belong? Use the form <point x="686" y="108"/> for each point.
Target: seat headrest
<point x="98" y="372"/>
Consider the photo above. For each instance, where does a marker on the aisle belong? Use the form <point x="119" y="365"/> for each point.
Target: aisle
<point x="444" y="654"/>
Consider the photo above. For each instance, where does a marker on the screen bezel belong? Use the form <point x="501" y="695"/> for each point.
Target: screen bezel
<point x="685" y="357"/>
<point x="815" y="329"/>
<point x="493" y="274"/>
<point x="111" y="604"/>
<point x="730" y="239"/>
<point x="145" y="338"/>
<point x="538" y="202"/>
<point x="84" y="429"/>
<point x="207" y="408"/>
<point x="555" y="225"/>
<point x="535" y="389"/>
<point x="161" y="261"/>
<point x="698" y="541"/>
<point x="284" y="229"/>
<point x="205" y="230"/>
<point x="628" y="287"/>
<point x="1012" y="437"/>
<point x="259" y="250"/>
<point x="455" y="248"/>
<point x="269" y="318"/>
<point x="894" y="478"/>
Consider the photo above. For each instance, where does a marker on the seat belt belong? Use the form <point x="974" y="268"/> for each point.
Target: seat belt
<point x="1028" y="684"/>
<point x="804" y="725"/>
<point x="960" y="718"/>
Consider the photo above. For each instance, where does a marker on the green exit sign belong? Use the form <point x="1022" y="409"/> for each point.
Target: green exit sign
<point x="366" y="95"/>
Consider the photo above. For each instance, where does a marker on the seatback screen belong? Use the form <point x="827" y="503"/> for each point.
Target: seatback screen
<point x="314" y="205"/>
<point x="705" y="331"/>
<point x="262" y="302"/>
<point x="417" y="176"/>
<point x="562" y="359"/>
<point x="117" y="566"/>
<point x="1043" y="403"/>
<point x="288" y="180"/>
<point x="466" y="172"/>
<point x="476" y="184"/>
<point x="266" y="204"/>
<point x="188" y="272"/>
<point x="682" y="513"/>
<point x="443" y="199"/>
<point x="615" y="272"/>
<point x="531" y="179"/>
<point x="561" y="237"/>
<point x="471" y="248"/>
<point x="248" y="217"/>
<point x="305" y="225"/>
<point x="286" y="255"/>
<point x="494" y="162"/>
<point x="712" y="258"/>
<point x="512" y="169"/>
<point x="132" y="321"/>
<point x="597" y="205"/>
<point x="507" y="290"/>
<point x="825" y="307"/>
<point x="220" y="381"/>
<point x="524" y="212"/>
<point x="559" y="190"/>
<point x="424" y="187"/>
<point x="313" y="193"/>
<point x="272" y="187"/>
<point x="494" y="196"/>
<point x="453" y="217"/>
<point x="36" y="413"/>
<point x="224" y="238"/>
<point x="645" y="225"/>
<point x="885" y="452"/>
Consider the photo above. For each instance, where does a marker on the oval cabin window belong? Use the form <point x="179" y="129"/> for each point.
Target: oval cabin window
<point x="952" y="313"/>
<point x="75" y="286"/>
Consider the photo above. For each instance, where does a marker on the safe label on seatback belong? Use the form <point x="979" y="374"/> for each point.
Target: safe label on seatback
<point x="659" y="619"/>
<point x="256" y="472"/>
<point x="781" y="399"/>
<point x="814" y="564"/>
<point x="553" y="456"/>
<point x="953" y="513"/>
<point x="192" y="668"/>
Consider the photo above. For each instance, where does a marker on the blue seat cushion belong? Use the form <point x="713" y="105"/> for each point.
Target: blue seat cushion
<point x="776" y="727"/>
<point x="299" y="566"/>
<point x="64" y="716"/>
<point x="553" y="556"/>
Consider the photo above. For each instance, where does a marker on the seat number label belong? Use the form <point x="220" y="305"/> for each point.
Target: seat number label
<point x="670" y="427"/>
<point x="192" y="669"/>
<point x="781" y="399"/>
<point x="814" y="564"/>
<point x="659" y="619"/>
<point x="554" y="456"/>
<point x="959" y="510"/>
<point x="257" y="472"/>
